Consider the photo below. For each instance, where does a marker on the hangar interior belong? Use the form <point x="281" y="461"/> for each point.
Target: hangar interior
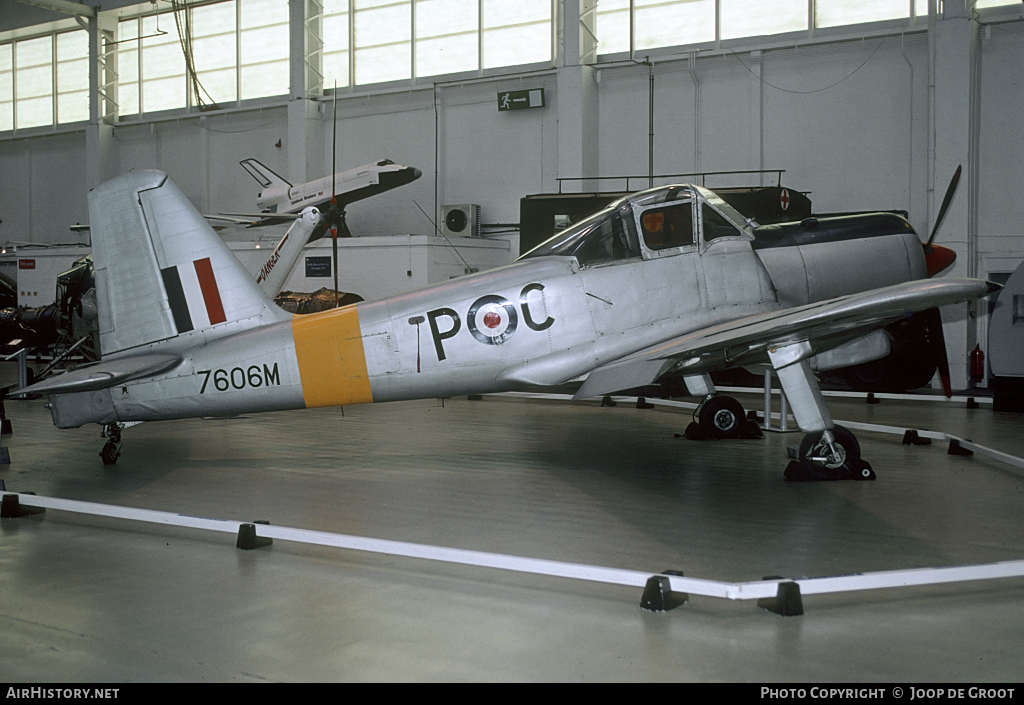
<point x="864" y="106"/>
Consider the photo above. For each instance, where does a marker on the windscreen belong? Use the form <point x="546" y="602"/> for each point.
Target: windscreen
<point x="606" y="236"/>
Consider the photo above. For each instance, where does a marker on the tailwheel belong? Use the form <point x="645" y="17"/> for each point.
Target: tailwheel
<point x="820" y="460"/>
<point x="110" y="453"/>
<point x="112" y="448"/>
<point x="721" y="417"/>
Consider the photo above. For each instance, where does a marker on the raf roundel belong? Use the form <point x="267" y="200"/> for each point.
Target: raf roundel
<point x="492" y="320"/>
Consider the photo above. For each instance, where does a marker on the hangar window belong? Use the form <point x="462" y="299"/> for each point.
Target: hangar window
<point x="44" y="80"/>
<point x="635" y="25"/>
<point x="401" y="39"/>
<point x="831" y="13"/>
<point x="446" y="36"/>
<point x="6" y="86"/>
<point x="213" y="42"/>
<point x="383" y="40"/>
<point x="33" y="75"/>
<point x="239" y="49"/>
<point x="72" y="76"/>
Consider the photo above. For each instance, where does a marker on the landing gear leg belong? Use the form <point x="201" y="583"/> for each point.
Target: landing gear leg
<point x="828" y="452"/>
<point x="112" y="449"/>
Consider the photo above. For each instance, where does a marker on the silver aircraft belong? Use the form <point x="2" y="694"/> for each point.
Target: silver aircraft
<point x="668" y="284"/>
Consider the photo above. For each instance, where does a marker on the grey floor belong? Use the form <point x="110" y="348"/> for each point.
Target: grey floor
<point x="89" y="599"/>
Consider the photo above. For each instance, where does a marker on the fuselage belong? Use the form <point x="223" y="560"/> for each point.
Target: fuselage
<point x="347" y="186"/>
<point x="646" y="269"/>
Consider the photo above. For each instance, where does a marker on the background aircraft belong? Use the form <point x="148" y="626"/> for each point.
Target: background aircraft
<point x="667" y="284"/>
<point x="278" y="199"/>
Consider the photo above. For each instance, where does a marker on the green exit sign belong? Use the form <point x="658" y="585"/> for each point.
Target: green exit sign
<point x="521" y="100"/>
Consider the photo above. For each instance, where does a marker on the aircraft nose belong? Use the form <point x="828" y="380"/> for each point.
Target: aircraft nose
<point x="416" y="173"/>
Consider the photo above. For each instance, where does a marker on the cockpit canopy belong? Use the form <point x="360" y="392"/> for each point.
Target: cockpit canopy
<point x="655" y="223"/>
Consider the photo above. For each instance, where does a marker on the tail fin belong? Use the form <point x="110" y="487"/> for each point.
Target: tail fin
<point x="273" y="188"/>
<point x="162" y="273"/>
<point x="264" y="175"/>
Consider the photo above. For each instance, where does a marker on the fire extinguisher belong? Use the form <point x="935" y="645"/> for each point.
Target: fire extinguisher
<point x="977" y="364"/>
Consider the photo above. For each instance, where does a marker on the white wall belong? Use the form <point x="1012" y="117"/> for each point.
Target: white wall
<point x="1001" y="204"/>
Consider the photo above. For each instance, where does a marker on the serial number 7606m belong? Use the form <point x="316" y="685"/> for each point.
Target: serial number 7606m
<point x="251" y="377"/>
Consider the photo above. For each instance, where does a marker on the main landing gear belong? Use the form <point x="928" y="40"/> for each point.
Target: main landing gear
<point x="828" y="452"/>
<point x="720" y="417"/>
<point x="821" y="459"/>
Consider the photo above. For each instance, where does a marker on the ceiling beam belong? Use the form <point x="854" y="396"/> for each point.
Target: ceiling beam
<point x="65" y="6"/>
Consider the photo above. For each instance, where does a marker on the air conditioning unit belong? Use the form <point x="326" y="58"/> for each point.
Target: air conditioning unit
<point x="461" y="220"/>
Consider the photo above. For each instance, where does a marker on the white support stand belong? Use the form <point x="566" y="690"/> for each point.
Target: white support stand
<point x="22" y="357"/>
<point x="783" y="410"/>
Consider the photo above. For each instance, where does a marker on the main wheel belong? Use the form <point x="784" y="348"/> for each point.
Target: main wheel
<point x="849" y="449"/>
<point x="721" y="417"/>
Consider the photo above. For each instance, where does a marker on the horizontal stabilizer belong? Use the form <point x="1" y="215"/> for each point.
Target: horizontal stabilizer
<point x="103" y="375"/>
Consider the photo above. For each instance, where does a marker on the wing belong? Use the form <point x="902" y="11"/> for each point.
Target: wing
<point x="746" y="340"/>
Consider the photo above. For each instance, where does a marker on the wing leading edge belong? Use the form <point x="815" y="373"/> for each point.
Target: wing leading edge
<point x="744" y="341"/>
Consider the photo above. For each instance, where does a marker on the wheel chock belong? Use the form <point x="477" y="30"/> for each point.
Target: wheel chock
<point x="956" y="449"/>
<point x="247" y="538"/>
<point x="10" y="508"/>
<point x="872" y="399"/>
<point x="642" y="403"/>
<point x="608" y="402"/>
<point x="787" y="601"/>
<point x="658" y="595"/>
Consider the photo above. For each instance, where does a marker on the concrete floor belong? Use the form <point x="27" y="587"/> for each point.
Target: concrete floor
<point x="89" y="599"/>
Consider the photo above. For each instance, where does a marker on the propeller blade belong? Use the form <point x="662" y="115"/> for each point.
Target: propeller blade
<point x="938" y="341"/>
<point x="950" y="192"/>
